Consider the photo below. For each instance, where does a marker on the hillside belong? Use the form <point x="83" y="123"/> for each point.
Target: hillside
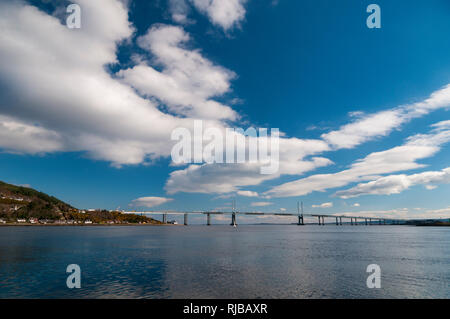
<point x="24" y="203"/>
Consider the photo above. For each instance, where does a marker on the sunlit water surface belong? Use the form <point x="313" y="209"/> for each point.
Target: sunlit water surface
<point x="223" y="262"/>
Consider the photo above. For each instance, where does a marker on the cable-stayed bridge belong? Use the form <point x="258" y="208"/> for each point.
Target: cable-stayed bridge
<point x="335" y="218"/>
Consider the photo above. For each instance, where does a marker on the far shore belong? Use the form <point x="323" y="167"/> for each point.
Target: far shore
<point x="83" y="225"/>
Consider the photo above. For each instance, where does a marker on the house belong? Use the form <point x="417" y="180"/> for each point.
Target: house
<point x="21" y="220"/>
<point x="33" y="220"/>
<point x="88" y="222"/>
<point x="2" y="221"/>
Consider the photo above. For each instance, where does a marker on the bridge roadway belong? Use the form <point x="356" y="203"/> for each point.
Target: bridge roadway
<point x="320" y="217"/>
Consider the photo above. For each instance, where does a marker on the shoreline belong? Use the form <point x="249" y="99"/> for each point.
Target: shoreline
<point x="81" y="225"/>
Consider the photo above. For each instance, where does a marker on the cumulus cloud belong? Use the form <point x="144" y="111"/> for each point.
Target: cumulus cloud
<point x="368" y="127"/>
<point x="323" y="205"/>
<point x="261" y="204"/>
<point x="224" y="13"/>
<point x="400" y="158"/>
<point x="294" y="155"/>
<point x="436" y="213"/>
<point x="149" y="201"/>
<point x="187" y="82"/>
<point x="19" y="137"/>
<point x="395" y="184"/>
<point x="247" y="193"/>
<point x="402" y="213"/>
<point x="70" y="102"/>
<point x="227" y="178"/>
<point x="179" y="9"/>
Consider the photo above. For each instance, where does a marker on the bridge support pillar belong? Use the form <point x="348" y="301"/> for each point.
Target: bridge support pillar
<point x="340" y="221"/>
<point x="165" y="218"/>
<point x="320" y="221"/>
<point x="337" y="222"/>
<point x="356" y="221"/>
<point x="300" y="220"/>
<point x="208" y="219"/>
<point x="185" y="219"/>
<point x="323" y="220"/>
<point x="370" y="221"/>
<point x="233" y="220"/>
<point x="366" y="221"/>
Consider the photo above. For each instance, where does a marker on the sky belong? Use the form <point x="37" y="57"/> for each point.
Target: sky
<point x="87" y="114"/>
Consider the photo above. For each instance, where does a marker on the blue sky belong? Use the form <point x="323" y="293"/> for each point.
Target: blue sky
<point x="86" y="114"/>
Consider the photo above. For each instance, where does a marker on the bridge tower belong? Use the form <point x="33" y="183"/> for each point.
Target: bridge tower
<point x="300" y="215"/>
<point x="208" y="219"/>
<point x="233" y="219"/>
<point x="233" y="216"/>
<point x="185" y="219"/>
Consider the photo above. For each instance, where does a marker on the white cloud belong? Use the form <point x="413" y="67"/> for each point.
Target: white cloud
<point x="293" y="152"/>
<point x="261" y="204"/>
<point x="395" y="184"/>
<point x="149" y="201"/>
<point x="227" y="178"/>
<point x="396" y="159"/>
<point x="247" y="193"/>
<point x="187" y="82"/>
<point x="401" y="213"/>
<point x="382" y="123"/>
<point x="179" y="9"/>
<point x="224" y="13"/>
<point x="323" y="205"/>
<point x="436" y="213"/>
<point x="70" y="102"/>
<point x="20" y="137"/>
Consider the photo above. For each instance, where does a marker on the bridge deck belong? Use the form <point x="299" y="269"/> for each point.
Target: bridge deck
<point x="260" y="214"/>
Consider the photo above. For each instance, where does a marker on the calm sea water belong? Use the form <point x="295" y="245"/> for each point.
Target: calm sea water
<point x="223" y="262"/>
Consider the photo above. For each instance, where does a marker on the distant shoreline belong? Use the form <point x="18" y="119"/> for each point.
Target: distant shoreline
<point x="80" y="225"/>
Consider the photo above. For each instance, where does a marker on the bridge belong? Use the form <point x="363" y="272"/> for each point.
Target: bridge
<point x="336" y="219"/>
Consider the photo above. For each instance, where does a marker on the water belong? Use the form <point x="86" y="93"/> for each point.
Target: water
<point x="224" y="262"/>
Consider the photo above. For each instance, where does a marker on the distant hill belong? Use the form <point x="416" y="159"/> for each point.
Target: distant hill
<point x="17" y="202"/>
<point x="25" y="202"/>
